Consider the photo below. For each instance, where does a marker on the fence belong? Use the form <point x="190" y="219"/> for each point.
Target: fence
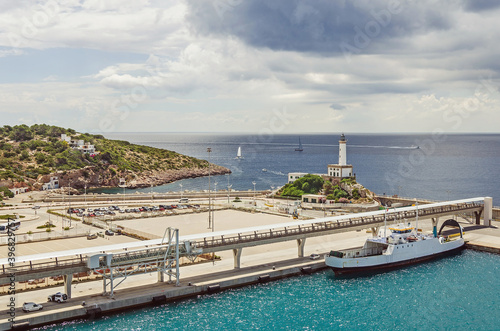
<point x="40" y="236"/>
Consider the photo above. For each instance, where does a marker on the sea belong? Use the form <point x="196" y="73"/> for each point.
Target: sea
<point x="458" y="292"/>
<point x="425" y="166"/>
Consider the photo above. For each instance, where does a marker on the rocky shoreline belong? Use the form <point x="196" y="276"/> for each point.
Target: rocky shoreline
<point x="96" y="177"/>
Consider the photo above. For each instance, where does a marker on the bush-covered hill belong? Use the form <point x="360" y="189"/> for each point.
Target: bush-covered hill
<point x="347" y="189"/>
<point x="26" y="152"/>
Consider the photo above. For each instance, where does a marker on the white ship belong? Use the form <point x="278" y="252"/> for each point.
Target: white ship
<point x="405" y="245"/>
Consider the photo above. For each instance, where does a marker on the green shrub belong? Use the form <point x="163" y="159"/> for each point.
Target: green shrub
<point x="6" y="191"/>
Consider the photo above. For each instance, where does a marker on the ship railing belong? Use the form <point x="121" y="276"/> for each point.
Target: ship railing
<point x="359" y="252"/>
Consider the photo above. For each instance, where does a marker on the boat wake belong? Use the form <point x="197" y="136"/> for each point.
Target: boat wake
<point x="279" y="173"/>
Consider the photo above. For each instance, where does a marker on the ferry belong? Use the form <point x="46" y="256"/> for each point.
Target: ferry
<point x="404" y="246"/>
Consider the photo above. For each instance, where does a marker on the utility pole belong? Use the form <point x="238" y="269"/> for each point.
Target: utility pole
<point x="69" y="202"/>
<point x="209" y="150"/>
<point x="272" y="193"/>
<point x="228" y="188"/>
<point x="254" y="192"/>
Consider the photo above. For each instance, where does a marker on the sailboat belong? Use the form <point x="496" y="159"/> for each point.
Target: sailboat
<point x="299" y="149"/>
<point x="238" y="154"/>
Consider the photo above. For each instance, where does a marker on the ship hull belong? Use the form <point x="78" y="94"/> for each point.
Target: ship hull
<point x="383" y="263"/>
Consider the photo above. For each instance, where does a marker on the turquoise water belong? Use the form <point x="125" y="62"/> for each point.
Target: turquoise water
<point x="459" y="292"/>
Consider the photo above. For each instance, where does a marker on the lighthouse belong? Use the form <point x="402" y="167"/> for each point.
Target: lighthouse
<point x="342" y="169"/>
<point x="342" y="151"/>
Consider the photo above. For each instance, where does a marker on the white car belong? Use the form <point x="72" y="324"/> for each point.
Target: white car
<point x="314" y="256"/>
<point x="58" y="297"/>
<point x="31" y="306"/>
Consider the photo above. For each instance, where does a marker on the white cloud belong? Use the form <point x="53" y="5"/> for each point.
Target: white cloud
<point x="231" y="71"/>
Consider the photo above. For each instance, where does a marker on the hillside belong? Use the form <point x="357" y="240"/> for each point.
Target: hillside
<point x="32" y="154"/>
<point x="347" y="189"/>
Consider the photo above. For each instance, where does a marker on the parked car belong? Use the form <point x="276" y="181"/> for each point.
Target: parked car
<point x="91" y="236"/>
<point x="314" y="256"/>
<point x="109" y="233"/>
<point x="31" y="306"/>
<point x="36" y="207"/>
<point x="57" y="297"/>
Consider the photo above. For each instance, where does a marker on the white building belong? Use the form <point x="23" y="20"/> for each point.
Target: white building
<point x="342" y="169"/>
<point x="82" y="146"/>
<point x="18" y="190"/>
<point x="52" y="184"/>
<point x="292" y="176"/>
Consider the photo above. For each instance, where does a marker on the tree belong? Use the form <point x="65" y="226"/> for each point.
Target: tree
<point x="327" y="188"/>
<point x="21" y="133"/>
<point x="24" y="155"/>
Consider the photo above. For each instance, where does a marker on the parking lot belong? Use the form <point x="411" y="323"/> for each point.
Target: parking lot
<point x="116" y="210"/>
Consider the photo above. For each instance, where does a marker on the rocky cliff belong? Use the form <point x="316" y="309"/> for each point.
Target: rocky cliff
<point x="94" y="177"/>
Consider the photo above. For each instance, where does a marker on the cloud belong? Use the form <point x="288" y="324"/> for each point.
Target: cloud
<point x="226" y="64"/>
<point x="337" y="106"/>
<point x="481" y="5"/>
<point x="320" y="27"/>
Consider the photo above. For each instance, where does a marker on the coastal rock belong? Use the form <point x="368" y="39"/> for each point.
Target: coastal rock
<point x="94" y="177"/>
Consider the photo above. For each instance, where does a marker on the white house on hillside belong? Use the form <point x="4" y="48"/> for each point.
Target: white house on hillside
<point x="52" y="184"/>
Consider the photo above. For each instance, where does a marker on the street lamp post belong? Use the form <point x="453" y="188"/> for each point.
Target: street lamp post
<point x="254" y="192"/>
<point x="123" y="184"/>
<point x="324" y="210"/>
<point x="181" y="190"/>
<point x="228" y="187"/>
<point x="209" y="150"/>
<point x="272" y="193"/>
<point x="213" y="209"/>
<point x="69" y="202"/>
<point x="85" y="195"/>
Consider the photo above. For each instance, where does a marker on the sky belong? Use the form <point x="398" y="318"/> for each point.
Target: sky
<point x="280" y="66"/>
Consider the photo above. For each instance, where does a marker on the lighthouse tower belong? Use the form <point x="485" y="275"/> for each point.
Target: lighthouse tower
<point x="342" y="169"/>
<point x="342" y="151"/>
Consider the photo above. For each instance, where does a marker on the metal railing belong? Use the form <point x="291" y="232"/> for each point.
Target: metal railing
<point x="221" y="242"/>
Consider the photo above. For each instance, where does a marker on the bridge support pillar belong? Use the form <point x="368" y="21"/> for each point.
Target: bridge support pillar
<point x="301" y="243"/>
<point x="375" y="231"/>
<point x="161" y="276"/>
<point x="488" y="210"/>
<point x="477" y="214"/>
<point x="435" y="221"/>
<point x="237" y="257"/>
<point x="67" y="284"/>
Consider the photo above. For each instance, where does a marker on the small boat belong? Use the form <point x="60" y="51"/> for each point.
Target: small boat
<point x="264" y="170"/>
<point x="404" y="246"/>
<point x="299" y="149"/>
<point x="238" y="154"/>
